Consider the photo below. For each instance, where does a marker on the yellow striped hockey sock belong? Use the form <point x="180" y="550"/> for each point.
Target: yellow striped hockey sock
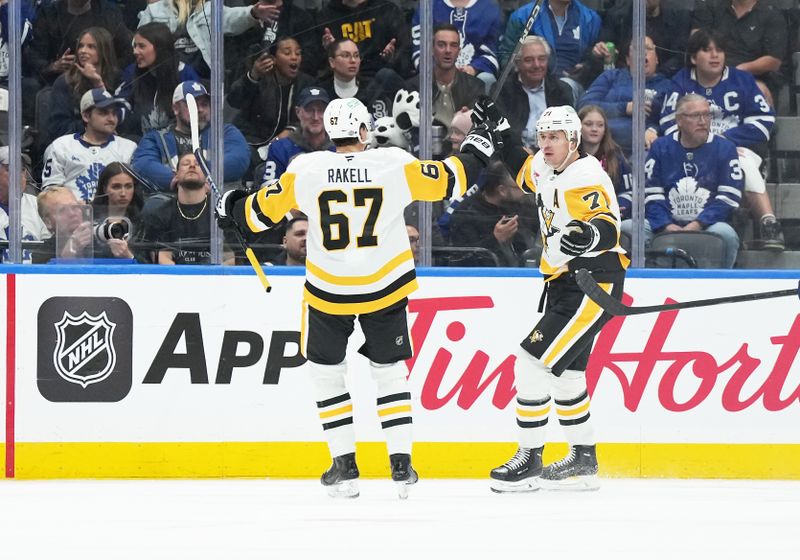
<point x="532" y="421"/>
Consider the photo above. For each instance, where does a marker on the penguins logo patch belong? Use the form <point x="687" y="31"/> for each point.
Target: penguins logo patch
<point x="536" y="336"/>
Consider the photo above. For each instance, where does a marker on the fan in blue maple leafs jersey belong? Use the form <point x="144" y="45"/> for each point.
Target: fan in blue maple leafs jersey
<point x="739" y="112"/>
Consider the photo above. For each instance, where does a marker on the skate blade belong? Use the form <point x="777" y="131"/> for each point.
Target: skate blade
<point x="503" y="487"/>
<point x="402" y="490"/>
<point x="344" y="489"/>
<point x="403" y="486"/>
<point x="588" y="483"/>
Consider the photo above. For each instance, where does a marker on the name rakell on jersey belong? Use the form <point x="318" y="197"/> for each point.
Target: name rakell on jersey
<point x="349" y="175"/>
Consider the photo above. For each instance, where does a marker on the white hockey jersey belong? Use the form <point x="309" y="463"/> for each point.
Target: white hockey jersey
<point x="359" y="259"/>
<point x="33" y="228"/>
<point x="583" y="191"/>
<point x="72" y="162"/>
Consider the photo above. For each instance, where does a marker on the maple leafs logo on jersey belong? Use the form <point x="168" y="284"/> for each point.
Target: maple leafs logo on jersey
<point x="87" y="182"/>
<point x="720" y="122"/>
<point x="688" y="199"/>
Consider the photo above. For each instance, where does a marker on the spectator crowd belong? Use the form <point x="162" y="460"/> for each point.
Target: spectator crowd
<point x="105" y="86"/>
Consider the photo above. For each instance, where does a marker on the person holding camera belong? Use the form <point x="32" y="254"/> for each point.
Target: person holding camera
<point x="68" y="220"/>
<point x="117" y="206"/>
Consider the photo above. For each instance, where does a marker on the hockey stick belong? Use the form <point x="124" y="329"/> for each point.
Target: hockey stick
<point x="615" y="307"/>
<point x="201" y="160"/>
<point x="510" y="62"/>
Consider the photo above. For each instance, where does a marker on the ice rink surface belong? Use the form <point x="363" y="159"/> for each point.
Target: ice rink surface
<point x="266" y="519"/>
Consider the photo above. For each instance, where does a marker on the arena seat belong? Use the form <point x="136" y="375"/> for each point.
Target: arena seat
<point x="686" y="249"/>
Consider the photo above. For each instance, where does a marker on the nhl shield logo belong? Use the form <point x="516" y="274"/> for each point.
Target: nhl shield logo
<point x="84" y="352"/>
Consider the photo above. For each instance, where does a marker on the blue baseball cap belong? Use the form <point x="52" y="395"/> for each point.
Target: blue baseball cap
<point x="311" y="94"/>
<point x="188" y="87"/>
<point x="99" y="97"/>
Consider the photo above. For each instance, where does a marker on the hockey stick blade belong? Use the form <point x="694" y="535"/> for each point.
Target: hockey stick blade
<point x="510" y="63"/>
<point x="615" y="307"/>
<point x="194" y="122"/>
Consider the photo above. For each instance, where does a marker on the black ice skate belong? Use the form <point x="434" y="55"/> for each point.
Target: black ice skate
<point x="520" y="473"/>
<point x="341" y="478"/>
<point x="403" y="474"/>
<point x="577" y="471"/>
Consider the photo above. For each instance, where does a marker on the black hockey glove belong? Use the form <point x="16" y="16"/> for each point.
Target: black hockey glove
<point x="486" y="112"/>
<point x="479" y="142"/>
<point x="224" y="210"/>
<point x="582" y="238"/>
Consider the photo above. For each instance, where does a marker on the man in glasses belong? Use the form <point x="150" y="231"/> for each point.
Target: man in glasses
<point x="694" y="179"/>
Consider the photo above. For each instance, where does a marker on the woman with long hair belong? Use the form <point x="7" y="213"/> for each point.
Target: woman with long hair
<point x="149" y="82"/>
<point x="189" y="22"/>
<point x="95" y="66"/>
<point x="597" y="140"/>
<point x="267" y="93"/>
<point x="117" y="207"/>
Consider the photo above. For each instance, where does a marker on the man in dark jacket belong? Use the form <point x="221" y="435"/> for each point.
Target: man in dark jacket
<point x="497" y="219"/>
<point x="159" y="151"/>
<point x="453" y="89"/>
<point x="58" y="26"/>
<point x="530" y="90"/>
<point x="378" y="27"/>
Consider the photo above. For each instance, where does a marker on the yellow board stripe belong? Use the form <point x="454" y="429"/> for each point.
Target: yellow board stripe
<point x="533" y="413"/>
<point x="403" y="257"/>
<point x="573" y="412"/>
<point x="394" y="410"/>
<point x="292" y="459"/>
<point x="336" y="411"/>
<point x="357" y="308"/>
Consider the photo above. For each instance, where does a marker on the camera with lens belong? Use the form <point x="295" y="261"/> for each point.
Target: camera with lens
<point x="113" y="229"/>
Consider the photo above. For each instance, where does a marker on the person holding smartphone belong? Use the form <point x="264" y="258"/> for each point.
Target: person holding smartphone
<point x="496" y="218"/>
<point x="95" y="66"/>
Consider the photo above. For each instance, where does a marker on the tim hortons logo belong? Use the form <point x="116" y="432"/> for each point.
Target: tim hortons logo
<point x="84" y="352"/>
<point x="745" y="379"/>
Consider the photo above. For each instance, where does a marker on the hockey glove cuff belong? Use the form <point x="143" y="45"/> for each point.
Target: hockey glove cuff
<point x="479" y="142"/>
<point x="582" y="238"/>
<point x="224" y="210"/>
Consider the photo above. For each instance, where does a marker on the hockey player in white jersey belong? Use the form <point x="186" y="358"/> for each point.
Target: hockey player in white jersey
<point x="580" y="226"/>
<point x="359" y="265"/>
<point x="76" y="160"/>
